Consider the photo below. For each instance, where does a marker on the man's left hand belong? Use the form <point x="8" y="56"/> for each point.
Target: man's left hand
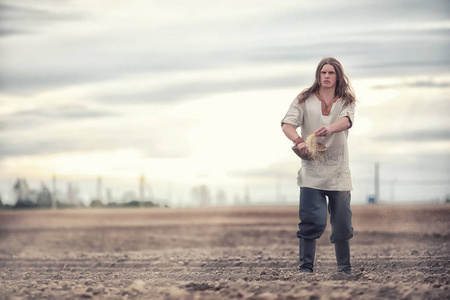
<point x="323" y="131"/>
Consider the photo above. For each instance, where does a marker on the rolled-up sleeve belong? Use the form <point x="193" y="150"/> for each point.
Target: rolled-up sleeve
<point x="294" y="115"/>
<point x="349" y="112"/>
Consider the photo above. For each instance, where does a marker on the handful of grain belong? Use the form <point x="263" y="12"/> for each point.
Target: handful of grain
<point x="315" y="148"/>
<point x="311" y="142"/>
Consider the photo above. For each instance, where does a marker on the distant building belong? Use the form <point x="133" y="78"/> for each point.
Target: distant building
<point x="44" y="197"/>
<point x="24" y="196"/>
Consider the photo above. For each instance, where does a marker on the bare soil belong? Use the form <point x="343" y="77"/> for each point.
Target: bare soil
<point x="398" y="252"/>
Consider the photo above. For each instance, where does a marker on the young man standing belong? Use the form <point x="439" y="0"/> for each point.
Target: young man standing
<point x="326" y="109"/>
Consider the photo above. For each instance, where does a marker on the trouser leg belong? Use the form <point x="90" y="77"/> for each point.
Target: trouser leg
<point x="342" y="250"/>
<point x="341" y="228"/>
<point x="313" y="220"/>
<point x="307" y="252"/>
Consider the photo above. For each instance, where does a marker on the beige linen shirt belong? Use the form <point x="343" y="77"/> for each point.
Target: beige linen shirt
<point x="331" y="172"/>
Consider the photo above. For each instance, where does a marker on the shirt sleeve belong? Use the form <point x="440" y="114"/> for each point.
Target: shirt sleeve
<point x="294" y="115"/>
<point x="349" y="112"/>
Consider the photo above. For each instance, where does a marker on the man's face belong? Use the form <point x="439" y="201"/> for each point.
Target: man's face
<point x="328" y="76"/>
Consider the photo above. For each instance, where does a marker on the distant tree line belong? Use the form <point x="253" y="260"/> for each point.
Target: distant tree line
<point x="27" y="198"/>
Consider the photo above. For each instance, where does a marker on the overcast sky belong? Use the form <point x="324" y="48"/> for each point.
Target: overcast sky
<point x="190" y="93"/>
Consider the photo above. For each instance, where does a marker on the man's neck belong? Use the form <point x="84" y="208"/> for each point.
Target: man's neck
<point x="327" y="94"/>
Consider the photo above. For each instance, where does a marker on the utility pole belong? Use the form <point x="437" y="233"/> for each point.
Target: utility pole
<point x="99" y="188"/>
<point x="70" y="194"/>
<point x="377" y="182"/>
<point x="54" y="191"/>
<point x="141" y="190"/>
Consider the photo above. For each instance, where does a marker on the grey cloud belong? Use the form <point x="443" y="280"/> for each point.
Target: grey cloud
<point x="15" y="82"/>
<point x="428" y="135"/>
<point x="394" y="41"/>
<point x="71" y="67"/>
<point x="29" y="18"/>
<point x="406" y="56"/>
<point x="97" y="140"/>
<point x="423" y="33"/>
<point x="100" y="58"/>
<point x="424" y="59"/>
<point x="419" y="84"/>
<point x="41" y="116"/>
<point x="427" y="164"/>
<point x="8" y="32"/>
<point x="188" y="90"/>
<point x="10" y="12"/>
<point x="37" y="132"/>
<point x="42" y="145"/>
<point x="429" y="84"/>
<point x="67" y="111"/>
<point x="378" y="10"/>
<point x="38" y="147"/>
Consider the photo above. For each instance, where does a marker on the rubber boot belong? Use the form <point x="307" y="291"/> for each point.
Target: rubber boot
<point x="307" y="253"/>
<point x="342" y="249"/>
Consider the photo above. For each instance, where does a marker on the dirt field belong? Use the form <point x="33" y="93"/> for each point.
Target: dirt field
<point x="400" y="252"/>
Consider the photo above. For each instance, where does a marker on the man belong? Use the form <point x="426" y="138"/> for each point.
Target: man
<point x="326" y="109"/>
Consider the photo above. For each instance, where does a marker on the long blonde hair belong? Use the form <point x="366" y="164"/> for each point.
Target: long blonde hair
<point x="343" y="87"/>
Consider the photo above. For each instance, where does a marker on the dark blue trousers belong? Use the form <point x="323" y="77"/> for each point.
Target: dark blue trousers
<point x="313" y="214"/>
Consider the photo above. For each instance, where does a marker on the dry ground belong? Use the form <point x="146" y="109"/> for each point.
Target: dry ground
<point x="398" y="252"/>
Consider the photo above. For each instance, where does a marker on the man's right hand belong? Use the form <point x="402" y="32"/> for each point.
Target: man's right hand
<point x="303" y="148"/>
